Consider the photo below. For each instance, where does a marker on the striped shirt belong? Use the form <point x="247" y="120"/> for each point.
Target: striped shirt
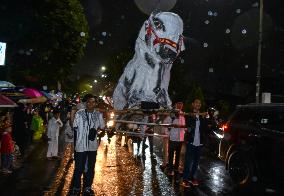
<point x="82" y="124"/>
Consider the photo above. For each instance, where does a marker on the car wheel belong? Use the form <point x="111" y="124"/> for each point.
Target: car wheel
<point x="240" y="168"/>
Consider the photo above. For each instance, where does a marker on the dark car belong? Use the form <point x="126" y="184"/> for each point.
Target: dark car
<point x="253" y="145"/>
<point x="214" y="135"/>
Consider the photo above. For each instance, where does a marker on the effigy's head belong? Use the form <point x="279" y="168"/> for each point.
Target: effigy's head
<point x="163" y="35"/>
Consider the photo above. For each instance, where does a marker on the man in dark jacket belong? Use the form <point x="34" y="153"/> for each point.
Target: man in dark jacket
<point x="197" y="134"/>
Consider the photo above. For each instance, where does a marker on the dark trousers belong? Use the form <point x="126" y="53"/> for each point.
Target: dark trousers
<point x="6" y="160"/>
<point x="192" y="156"/>
<point x="174" y="148"/>
<point x="80" y="161"/>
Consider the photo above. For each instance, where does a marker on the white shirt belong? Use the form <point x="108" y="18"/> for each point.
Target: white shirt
<point x="196" y="141"/>
<point x="53" y="128"/>
<point x="177" y="134"/>
<point x="83" y="124"/>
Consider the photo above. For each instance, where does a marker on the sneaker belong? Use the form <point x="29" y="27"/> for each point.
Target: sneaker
<point x="89" y="191"/>
<point x="6" y="171"/>
<point x="194" y="182"/>
<point x="185" y="184"/>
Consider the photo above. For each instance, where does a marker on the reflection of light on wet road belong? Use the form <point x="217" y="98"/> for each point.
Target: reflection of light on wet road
<point x="68" y="179"/>
<point x="155" y="181"/>
<point x="217" y="178"/>
<point x="61" y="172"/>
<point x="147" y="175"/>
<point x="216" y="175"/>
<point x="125" y="171"/>
<point x="106" y="174"/>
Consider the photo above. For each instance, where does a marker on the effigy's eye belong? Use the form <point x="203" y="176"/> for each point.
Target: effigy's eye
<point x="158" y="24"/>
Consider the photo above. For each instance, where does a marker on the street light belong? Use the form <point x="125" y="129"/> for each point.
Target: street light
<point x="258" y="72"/>
<point x="103" y="68"/>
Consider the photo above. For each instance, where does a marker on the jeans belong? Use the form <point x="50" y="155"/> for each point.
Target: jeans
<point x="174" y="147"/>
<point x="80" y="161"/>
<point x="6" y="160"/>
<point x="192" y="156"/>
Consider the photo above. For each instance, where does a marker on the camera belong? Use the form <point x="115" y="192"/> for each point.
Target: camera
<point x="92" y="134"/>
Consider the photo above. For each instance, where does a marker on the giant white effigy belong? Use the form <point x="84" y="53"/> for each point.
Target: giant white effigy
<point x="147" y="75"/>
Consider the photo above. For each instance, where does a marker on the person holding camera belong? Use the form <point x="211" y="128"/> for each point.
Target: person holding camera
<point x="86" y="124"/>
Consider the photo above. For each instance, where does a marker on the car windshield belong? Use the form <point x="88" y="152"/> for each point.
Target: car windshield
<point x="269" y="118"/>
<point x="242" y="115"/>
<point x="272" y="119"/>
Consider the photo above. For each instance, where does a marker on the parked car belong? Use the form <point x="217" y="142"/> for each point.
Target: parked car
<point x="253" y="145"/>
<point x="213" y="139"/>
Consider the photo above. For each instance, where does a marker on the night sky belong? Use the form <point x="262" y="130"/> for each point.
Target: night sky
<point x="221" y="39"/>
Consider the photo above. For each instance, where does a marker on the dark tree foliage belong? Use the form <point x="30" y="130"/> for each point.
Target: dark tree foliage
<point x="44" y="39"/>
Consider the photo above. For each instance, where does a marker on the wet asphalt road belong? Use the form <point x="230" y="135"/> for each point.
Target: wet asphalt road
<point x="119" y="171"/>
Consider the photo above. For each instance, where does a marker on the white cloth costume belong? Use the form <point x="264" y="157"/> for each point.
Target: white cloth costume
<point x="146" y="76"/>
<point x="82" y="124"/>
<point x="69" y="134"/>
<point x="52" y="134"/>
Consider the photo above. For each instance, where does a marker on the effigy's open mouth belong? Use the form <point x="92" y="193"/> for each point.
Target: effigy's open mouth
<point x="167" y="53"/>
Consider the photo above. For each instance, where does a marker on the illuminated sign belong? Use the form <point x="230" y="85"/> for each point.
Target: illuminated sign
<point x="2" y="53"/>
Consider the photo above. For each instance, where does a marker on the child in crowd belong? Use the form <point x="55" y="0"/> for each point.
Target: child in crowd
<point x="37" y="126"/>
<point x="7" y="146"/>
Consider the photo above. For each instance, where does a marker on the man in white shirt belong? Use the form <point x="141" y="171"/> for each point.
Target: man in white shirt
<point x="86" y="124"/>
<point x="197" y="131"/>
<point x="54" y="125"/>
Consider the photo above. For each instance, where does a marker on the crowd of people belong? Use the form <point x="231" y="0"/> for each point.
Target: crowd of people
<point x="86" y="121"/>
<point x="81" y="121"/>
<point x="29" y="124"/>
<point x="179" y="129"/>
